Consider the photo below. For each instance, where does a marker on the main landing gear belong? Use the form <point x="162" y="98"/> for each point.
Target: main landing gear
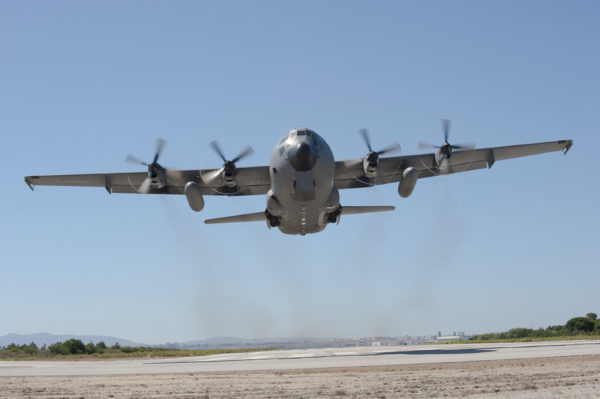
<point x="272" y="221"/>
<point x="334" y="217"/>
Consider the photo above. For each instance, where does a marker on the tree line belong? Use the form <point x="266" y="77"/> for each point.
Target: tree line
<point x="75" y="347"/>
<point x="71" y="347"/>
<point x="577" y="326"/>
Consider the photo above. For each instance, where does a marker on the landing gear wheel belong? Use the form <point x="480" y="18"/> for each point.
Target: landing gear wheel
<point x="272" y="221"/>
<point x="334" y="217"/>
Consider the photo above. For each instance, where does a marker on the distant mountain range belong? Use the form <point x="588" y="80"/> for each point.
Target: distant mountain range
<point x="49" y="339"/>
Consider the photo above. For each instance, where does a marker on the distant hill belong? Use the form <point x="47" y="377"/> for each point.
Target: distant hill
<point x="48" y="339"/>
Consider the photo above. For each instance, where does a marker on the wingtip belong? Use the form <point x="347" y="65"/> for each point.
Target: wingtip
<point x="568" y="146"/>
<point x="29" y="184"/>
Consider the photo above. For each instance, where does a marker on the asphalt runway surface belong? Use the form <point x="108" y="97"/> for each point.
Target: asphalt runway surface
<point x="305" y="359"/>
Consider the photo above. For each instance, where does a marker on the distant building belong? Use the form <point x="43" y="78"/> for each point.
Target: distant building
<point x="455" y="337"/>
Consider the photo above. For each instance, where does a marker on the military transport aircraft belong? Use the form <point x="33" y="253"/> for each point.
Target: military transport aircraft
<point x="302" y="181"/>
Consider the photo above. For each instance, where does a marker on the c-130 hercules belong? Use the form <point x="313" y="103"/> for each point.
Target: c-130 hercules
<point x="303" y="180"/>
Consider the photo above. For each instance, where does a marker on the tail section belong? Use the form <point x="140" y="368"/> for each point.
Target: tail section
<point x="262" y="216"/>
<point x="246" y="217"/>
<point x="355" y="210"/>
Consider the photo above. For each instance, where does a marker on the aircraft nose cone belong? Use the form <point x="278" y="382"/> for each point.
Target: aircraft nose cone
<point x="303" y="157"/>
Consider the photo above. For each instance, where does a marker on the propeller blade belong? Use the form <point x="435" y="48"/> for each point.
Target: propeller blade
<point x="247" y="151"/>
<point x="446" y="125"/>
<point x="145" y="187"/>
<point x="444" y="168"/>
<point x="209" y="177"/>
<point x="353" y="162"/>
<point x="365" y="135"/>
<point x="215" y="146"/>
<point x="426" y="146"/>
<point x="464" y="146"/>
<point x="174" y="176"/>
<point x="160" y="145"/>
<point x="391" y="148"/>
<point x="131" y="159"/>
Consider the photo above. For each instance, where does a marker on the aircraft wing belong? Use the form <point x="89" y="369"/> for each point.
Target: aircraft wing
<point x="250" y="181"/>
<point x="349" y="173"/>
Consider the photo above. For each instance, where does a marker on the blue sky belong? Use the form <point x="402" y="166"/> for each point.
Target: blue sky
<point x="82" y="84"/>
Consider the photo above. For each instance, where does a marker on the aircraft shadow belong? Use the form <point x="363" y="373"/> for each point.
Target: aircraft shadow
<point x="414" y="352"/>
<point x="433" y="352"/>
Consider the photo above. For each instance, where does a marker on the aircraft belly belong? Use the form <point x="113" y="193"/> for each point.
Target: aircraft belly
<point x="301" y="203"/>
<point x="302" y="222"/>
<point x="300" y="214"/>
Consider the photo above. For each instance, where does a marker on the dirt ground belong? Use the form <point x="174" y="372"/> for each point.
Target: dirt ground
<point x="566" y="377"/>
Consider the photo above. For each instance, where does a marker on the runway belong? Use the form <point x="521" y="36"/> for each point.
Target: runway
<point x="305" y="359"/>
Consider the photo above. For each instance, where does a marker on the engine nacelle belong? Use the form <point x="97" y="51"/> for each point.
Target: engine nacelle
<point x="408" y="182"/>
<point x="193" y="193"/>
<point x="370" y="165"/>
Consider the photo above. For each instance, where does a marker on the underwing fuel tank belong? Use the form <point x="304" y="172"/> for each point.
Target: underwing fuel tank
<point x="193" y="193"/>
<point x="408" y="182"/>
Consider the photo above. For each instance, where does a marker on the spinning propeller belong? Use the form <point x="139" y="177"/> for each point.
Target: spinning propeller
<point x="370" y="163"/>
<point x="155" y="170"/>
<point x="373" y="156"/>
<point x="157" y="174"/>
<point x="444" y="151"/>
<point x="446" y="148"/>
<point x="228" y="170"/>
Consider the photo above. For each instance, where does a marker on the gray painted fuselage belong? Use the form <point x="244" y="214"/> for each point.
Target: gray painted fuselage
<point x="302" y="198"/>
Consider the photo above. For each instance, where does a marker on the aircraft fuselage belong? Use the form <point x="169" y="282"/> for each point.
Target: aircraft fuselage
<point x="302" y="198"/>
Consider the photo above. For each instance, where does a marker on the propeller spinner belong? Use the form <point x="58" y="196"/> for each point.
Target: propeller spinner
<point x="156" y="173"/>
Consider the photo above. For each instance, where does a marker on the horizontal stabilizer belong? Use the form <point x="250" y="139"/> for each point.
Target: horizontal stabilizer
<point x="247" y="217"/>
<point x="355" y="210"/>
